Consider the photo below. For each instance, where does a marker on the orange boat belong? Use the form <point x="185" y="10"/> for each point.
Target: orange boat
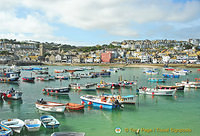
<point x="58" y="71"/>
<point x="74" y="106"/>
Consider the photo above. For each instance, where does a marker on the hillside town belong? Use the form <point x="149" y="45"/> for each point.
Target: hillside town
<point x="123" y="52"/>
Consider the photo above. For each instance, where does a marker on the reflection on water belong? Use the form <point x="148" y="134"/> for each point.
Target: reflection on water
<point x="14" y="104"/>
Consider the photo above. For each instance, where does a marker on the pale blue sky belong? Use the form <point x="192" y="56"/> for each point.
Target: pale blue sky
<point x="89" y="22"/>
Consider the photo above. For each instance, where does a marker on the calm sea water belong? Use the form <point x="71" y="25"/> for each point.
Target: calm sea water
<point x="181" y="111"/>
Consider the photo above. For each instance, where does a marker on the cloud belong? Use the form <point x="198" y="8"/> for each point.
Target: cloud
<point x="127" y="18"/>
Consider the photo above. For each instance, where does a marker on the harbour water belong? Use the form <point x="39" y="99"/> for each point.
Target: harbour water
<point x="153" y="115"/>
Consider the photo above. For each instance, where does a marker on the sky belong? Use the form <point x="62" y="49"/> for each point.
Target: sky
<point x="92" y="22"/>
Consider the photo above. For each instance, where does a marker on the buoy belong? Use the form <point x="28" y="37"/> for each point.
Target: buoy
<point x="52" y="91"/>
<point x="98" y="86"/>
<point x="79" y="87"/>
<point x="47" y="90"/>
<point x="43" y="90"/>
<point x="89" y="103"/>
<point x="56" y="91"/>
<point x="82" y="102"/>
<point x="152" y="93"/>
<point x="9" y="95"/>
<point x="100" y="106"/>
<point x="130" y="82"/>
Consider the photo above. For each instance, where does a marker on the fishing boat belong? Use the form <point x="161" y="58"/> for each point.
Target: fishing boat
<point x="28" y="79"/>
<point x="170" y="87"/>
<point x="32" y="124"/>
<point x="5" y="131"/>
<point x="68" y="134"/>
<point x="50" y="106"/>
<point x="74" y="106"/>
<point x="88" y="86"/>
<point x="126" y="83"/>
<point x="9" y="77"/>
<point x="103" y="86"/>
<point x="57" y="91"/>
<point x="154" y="91"/>
<point x="61" y="77"/>
<point x="128" y="99"/>
<point x="85" y="75"/>
<point x="166" y="75"/>
<point x="151" y="72"/>
<point x="58" y="71"/>
<point x="159" y="80"/>
<point x="189" y="84"/>
<point x="74" y="76"/>
<point x="12" y="94"/>
<point x="101" y="101"/>
<point x="15" y="124"/>
<point x="49" y="121"/>
<point x="103" y="73"/>
<point x="40" y="72"/>
<point x="43" y="78"/>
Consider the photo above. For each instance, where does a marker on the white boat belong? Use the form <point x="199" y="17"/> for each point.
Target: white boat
<point x="151" y="72"/>
<point x="88" y="86"/>
<point x="128" y="99"/>
<point x="49" y="121"/>
<point x="74" y="76"/>
<point x="156" y="91"/>
<point x="15" y="124"/>
<point x="179" y="73"/>
<point x="188" y="84"/>
<point x="50" y="106"/>
<point x="32" y="124"/>
<point x="12" y="94"/>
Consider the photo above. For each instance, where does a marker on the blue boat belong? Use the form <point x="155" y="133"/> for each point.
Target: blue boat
<point x="101" y="101"/>
<point x="5" y="131"/>
<point x="49" y="121"/>
<point x="170" y="75"/>
<point x="9" y="77"/>
<point x="159" y="80"/>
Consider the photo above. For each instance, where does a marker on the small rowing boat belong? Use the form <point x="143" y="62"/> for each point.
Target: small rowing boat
<point x="74" y="106"/>
<point x="32" y="124"/>
<point x="49" y="121"/>
<point x="15" y="124"/>
<point x="5" y="131"/>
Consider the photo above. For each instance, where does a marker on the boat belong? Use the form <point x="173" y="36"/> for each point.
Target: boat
<point x="50" y="106"/>
<point x="170" y="69"/>
<point x="166" y="75"/>
<point x="88" y="86"/>
<point x="41" y="72"/>
<point x="74" y="106"/>
<point x="27" y="69"/>
<point x="9" y="77"/>
<point x="151" y="72"/>
<point x="170" y="87"/>
<point x="180" y="72"/>
<point x="62" y="77"/>
<point x="103" y="86"/>
<point x="189" y="84"/>
<point x="28" y="79"/>
<point x="156" y="91"/>
<point x="5" y="131"/>
<point x="68" y="134"/>
<point x="57" y="91"/>
<point x="58" y="71"/>
<point x="126" y="83"/>
<point x="159" y="80"/>
<point x="49" y="121"/>
<point x="32" y="124"/>
<point x="15" y="124"/>
<point x="128" y="99"/>
<point x="103" y="73"/>
<point x="12" y="94"/>
<point x="85" y="75"/>
<point x="43" y="78"/>
<point x="101" y="101"/>
<point x="198" y="69"/>
<point x="74" y="76"/>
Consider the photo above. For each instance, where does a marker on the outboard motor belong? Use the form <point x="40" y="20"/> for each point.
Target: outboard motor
<point x="117" y="103"/>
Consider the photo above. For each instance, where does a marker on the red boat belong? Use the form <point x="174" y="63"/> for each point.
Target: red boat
<point x="74" y="106"/>
<point x="170" y="69"/>
<point x="28" y="79"/>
